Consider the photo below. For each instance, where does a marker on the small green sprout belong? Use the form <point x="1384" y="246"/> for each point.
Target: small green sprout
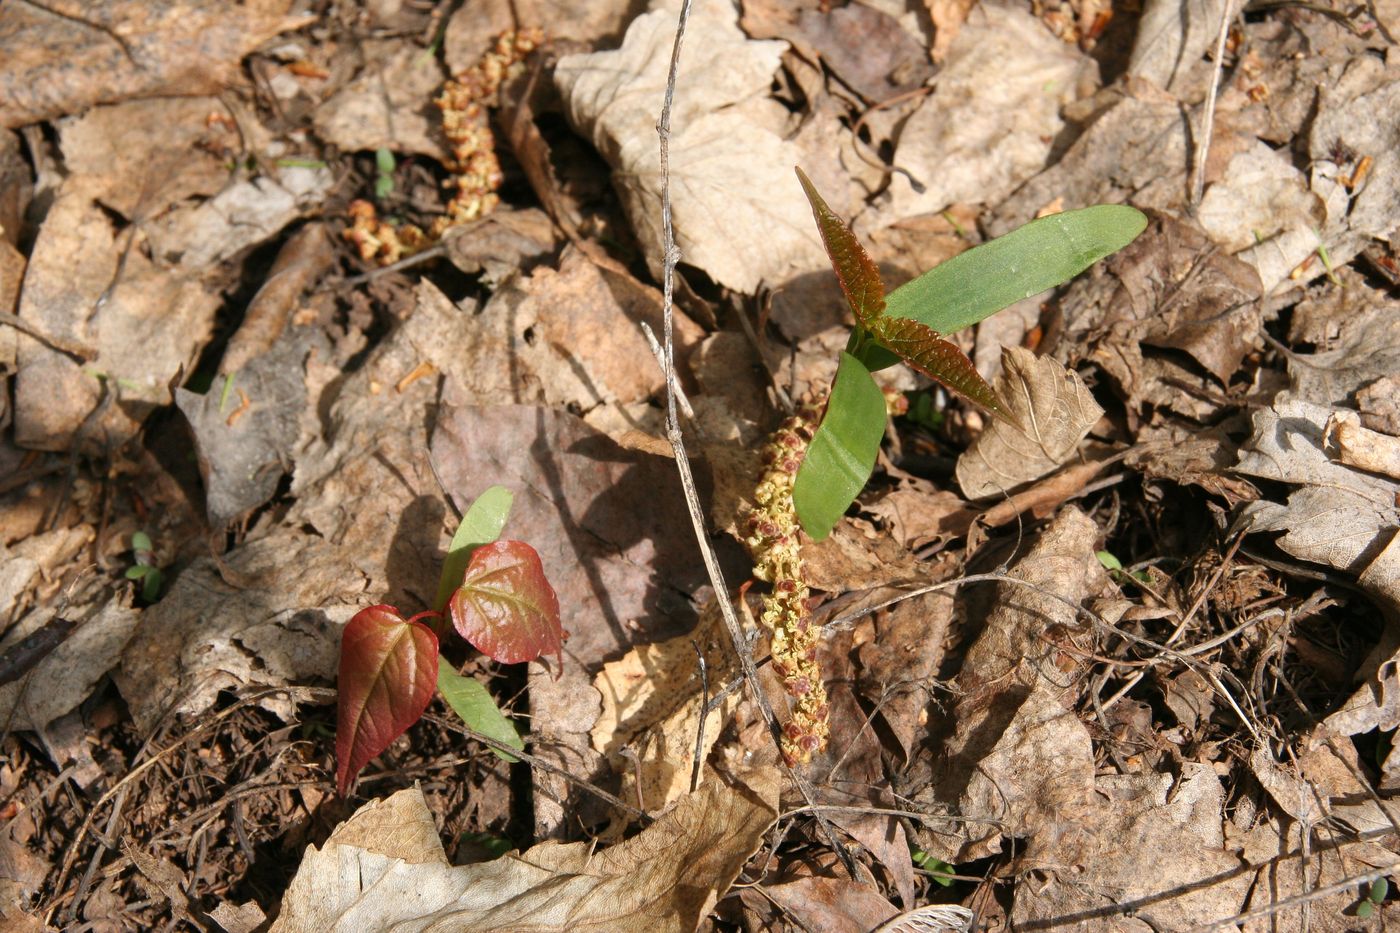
<point x="384" y="165"/>
<point x="942" y="872"/>
<point x="1379" y="889"/>
<point x="145" y="569"/>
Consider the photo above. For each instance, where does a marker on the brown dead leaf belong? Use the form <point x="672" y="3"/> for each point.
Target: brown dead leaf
<point x="1135" y="151"/>
<point x="389" y="105"/>
<point x="651" y="705"/>
<point x="366" y="526"/>
<point x="1202" y="457"/>
<point x="62" y="58"/>
<point x="855" y="557"/>
<point x="67" y="676"/>
<point x="570" y="337"/>
<point x="729" y="157"/>
<point x="1357" y="330"/>
<point x="899" y="660"/>
<point x="147" y="325"/>
<point x="973" y="140"/>
<point x="868" y="50"/>
<point x="1379" y="402"/>
<point x="916" y="513"/>
<point x="1018" y="762"/>
<point x="1154" y="841"/>
<point x="1054" y="410"/>
<point x="475" y="25"/>
<point x="502" y="243"/>
<point x="145" y="157"/>
<point x="667" y="878"/>
<point x="824" y="904"/>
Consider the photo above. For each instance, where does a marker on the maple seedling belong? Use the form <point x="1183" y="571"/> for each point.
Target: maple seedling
<point x="496" y="594"/>
<point x="909" y="324"/>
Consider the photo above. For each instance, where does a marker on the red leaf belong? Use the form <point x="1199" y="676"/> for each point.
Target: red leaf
<point x="506" y="607"/>
<point x="922" y="348"/>
<point x="388" y="672"/>
<point x="857" y="272"/>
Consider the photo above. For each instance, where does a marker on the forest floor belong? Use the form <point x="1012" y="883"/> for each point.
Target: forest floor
<point x="286" y="285"/>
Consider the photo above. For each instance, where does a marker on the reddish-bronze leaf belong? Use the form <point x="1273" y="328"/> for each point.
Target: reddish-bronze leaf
<point x="388" y="672"/>
<point x="506" y="607"/>
<point x="856" y="271"/>
<point x="922" y="348"/>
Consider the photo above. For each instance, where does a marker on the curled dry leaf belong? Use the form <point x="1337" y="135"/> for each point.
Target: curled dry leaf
<point x="1056" y="411"/>
<point x="730" y="156"/>
<point x="385" y="869"/>
<point x="388" y="671"/>
<point x="505" y="607"/>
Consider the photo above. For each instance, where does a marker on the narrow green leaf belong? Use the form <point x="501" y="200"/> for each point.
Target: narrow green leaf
<point x="944" y="362"/>
<point x="842" y="453"/>
<point x="470" y="700"/>
<point x="481" y="525"/>
<point x="855" y="270"/>
<point x="1044" y="253"/>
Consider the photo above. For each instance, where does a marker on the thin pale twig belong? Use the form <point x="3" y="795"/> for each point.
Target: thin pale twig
<point x="1198" y="183"/>
<point x="673" y="434"/>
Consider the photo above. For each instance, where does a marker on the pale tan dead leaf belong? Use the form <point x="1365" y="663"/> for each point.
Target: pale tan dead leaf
<point x="239" y="918"/>
<point x="1263" y="211"/>
<point x="1135" y="150"/>
<point x="1360" y="447"/>
<point x="948" y="17"/>
<point x="54" y="63"/>
<point x="974" y="140"/>
<point x="667" y="878"/>
<point x="1359" y="208"/>
<point x="652" y="703"/>
<point x="1056" y="411"/>
<point x="389" y="104"/>
<point x="1171" y="42"/>
<point x="241" y="215"/>
<point x="1335" y="515"/>
<point x="737" y="207"/>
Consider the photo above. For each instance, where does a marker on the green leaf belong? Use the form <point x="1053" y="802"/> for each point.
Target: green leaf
<point x="481" y="525"/>
<point x="855" y="270"/>
<point x="138" y="571"/>
<point x="140" y="541"/>
<point x="151" y="584"/>
<point x="1108" y="560"/>
<point x="944" y="362"/>
<point x="842" y="453"/>
<point x="470" y="700"/>
<point x="1044" y="253"/>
